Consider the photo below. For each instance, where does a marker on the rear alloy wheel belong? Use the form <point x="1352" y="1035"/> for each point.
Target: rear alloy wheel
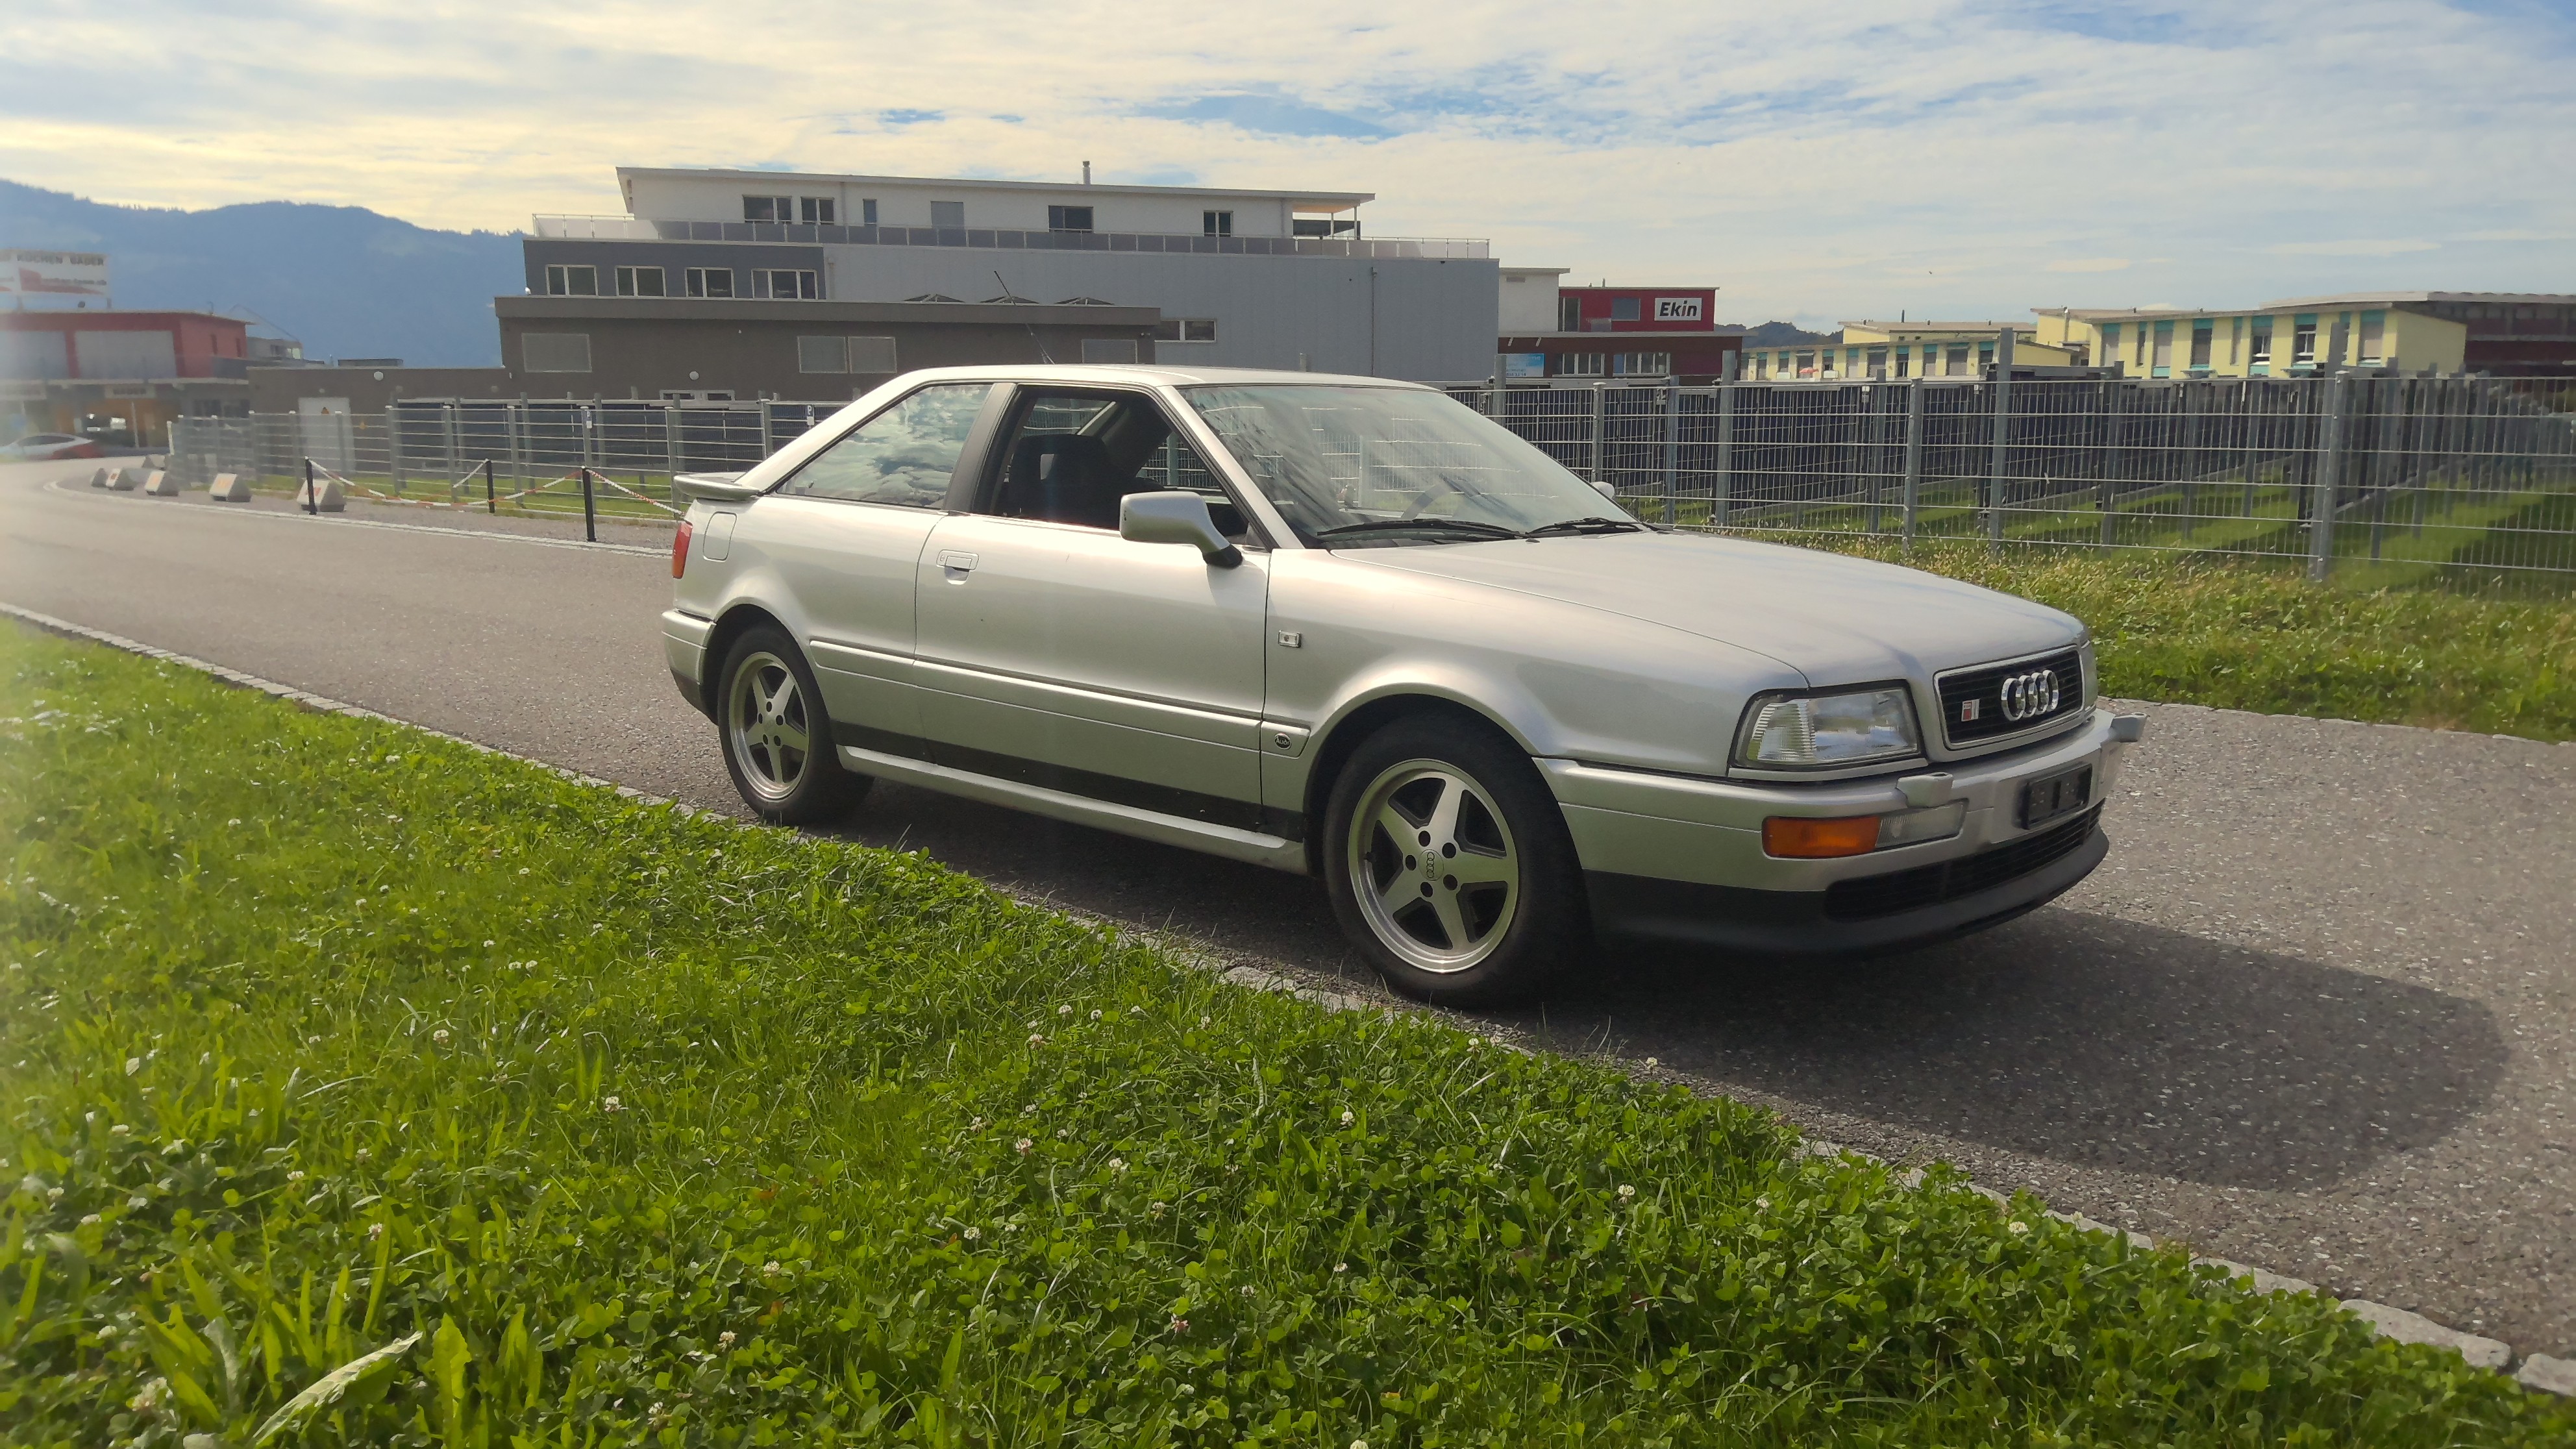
<point x="1450" y="863"/>
<point x="777" y="739"/>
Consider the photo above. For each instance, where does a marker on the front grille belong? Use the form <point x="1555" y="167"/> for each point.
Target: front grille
<point x="1930" y="885"/>
<point x="1977" y="705"/>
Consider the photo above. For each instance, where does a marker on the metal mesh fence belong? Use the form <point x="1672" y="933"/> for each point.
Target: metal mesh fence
<point x="2421" y="475"/>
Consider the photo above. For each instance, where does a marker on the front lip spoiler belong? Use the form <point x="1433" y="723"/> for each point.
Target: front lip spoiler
<point x="1794" y="923"/>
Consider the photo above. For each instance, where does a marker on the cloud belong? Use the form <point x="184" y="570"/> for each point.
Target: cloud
<point x="2393" y="248"/>
<point x="1967" y="158"/>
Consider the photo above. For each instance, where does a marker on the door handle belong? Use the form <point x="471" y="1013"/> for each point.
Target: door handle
<point x="955" y="562"/>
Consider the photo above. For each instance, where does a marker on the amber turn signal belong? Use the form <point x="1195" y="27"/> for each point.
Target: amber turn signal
<point x="680" y="548"/>
<point x="1800" y="838"/>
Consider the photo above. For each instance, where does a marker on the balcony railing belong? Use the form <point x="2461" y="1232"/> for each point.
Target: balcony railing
<point x="637" y="228"/>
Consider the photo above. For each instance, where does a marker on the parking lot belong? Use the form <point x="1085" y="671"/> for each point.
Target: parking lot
<point x="2317" y="1013"/>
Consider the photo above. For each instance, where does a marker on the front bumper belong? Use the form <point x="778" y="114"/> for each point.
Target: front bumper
<point x="1681" y="859"/>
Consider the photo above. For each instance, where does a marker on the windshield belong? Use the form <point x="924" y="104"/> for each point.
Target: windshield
<point x="1387" y="465"/>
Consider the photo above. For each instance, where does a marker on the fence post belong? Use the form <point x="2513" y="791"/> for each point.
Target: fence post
<point x="1600" y="425"/>
<point x="393" y="447"/>
<point x="447" y="427"/>
<point x="1722" y="488"/>
<point x="1672" y="450"/>
<point x="589" y="509"/>
<point x="1995" y="484"/>
<point x="312" y="496"/>
<point x="2330" y="445"/>
<point x="671" y="446"/>
<point x="767" y="446"/>
<point x="491" y="502"/>
<point x="1913" y="455"/>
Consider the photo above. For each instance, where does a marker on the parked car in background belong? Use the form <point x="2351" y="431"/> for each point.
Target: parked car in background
<point x="1353" y="629"/>
<point x="43" y="447"/>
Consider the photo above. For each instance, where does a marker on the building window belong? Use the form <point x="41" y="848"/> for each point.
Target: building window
<point x="1623" y="309"/>
<point x="2110" y="343"/>
<point x="949" y="214"/>
<point x="1580" y="364"/>
<point x="1959" y="360"/>
<point x="846" y="354"/>
<point x="816" y="210"/>
<point x="566" y="281"/>
<point x="2374" y="335"/>
<point x="768" y="208"/>
<point x="1185" y="329"/>
<point x="1641" y="364"/>
<point x="639" y="281"/>
<point x="2258" y="342"/>
<point x="1060" y="218"/>
<point x="2203" y="333"/>
<point x="555" y="351"/>
<point x="1221" y="223"/>
<point x="1878" y="362"/>
<point x="867" y="211"/>
<point x="780" y="284"/>
<point x="1904" y="360"/>
<point x="2303" y="341"/>
<point x="1569" y="314"/>
<point x="710" y="281"/>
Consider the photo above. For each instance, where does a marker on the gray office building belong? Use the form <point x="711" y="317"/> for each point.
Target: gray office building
<point x="1234" y="278"/>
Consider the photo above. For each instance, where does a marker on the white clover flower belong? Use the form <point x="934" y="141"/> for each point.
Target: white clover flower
<point x="150" y="1397"/>
<point x="2017" y="1229"/>
<point x="523" y="870"/>
<point x="1359" y="1444"/>
<point x="89" y="1220"/>
<point x="1135" y="1011"/>
<point x="439" y="1036"/>
<point x="375" y="1231"/>
<point x="1627" y="1191"/>
<point x="1157" y="1209"/>
<point x="295" y="1176"/>
<point x="1762" y="1204"/>
<point x="1036" y="1040"/>
<point x="137" y="1202"/>
<point x="611" y="1104"/>
<point x="975" y="1126"/>
<point x="1063" y="1133"/>
<point x="1205" y="1020"/>
<point x="1650" y="1061"/>
<point x="1180" y="1325"/>
<point x="133" y="1065"/>
<point x="771" y="1269"/>
<point x="1347" y="1117"/>
<point x="1247" y="1290"/>
<point x="119" y="1130"/>
<point x="1341" y="1267"/>
<point x="236" y="820"/>
<point x="1064" y="1011"/>
<point x="725" y="1339"/>
<point x="1118" y="1164"/>
<point x="491" y="943"/>
<point x="1095" y="1013"/>
<point x="973" y="1234"/>
<point x="1024" y="1144"/>
<point x="1475" y="1041"/>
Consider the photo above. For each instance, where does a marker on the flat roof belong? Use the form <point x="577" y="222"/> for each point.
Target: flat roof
<point x="1338" y="200"/>
<point x="2342" y="299"/>
<point x="1935" y="326"/>
<point x="753" y="309"/>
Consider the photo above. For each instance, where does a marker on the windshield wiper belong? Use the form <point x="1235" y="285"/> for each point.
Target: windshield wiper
<point x="1585" y="525"/>
<point x="1398" y="525"/>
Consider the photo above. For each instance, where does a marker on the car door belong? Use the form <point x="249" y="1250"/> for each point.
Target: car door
<point x="844" y="535"/>
<point x="1053" y="652"/>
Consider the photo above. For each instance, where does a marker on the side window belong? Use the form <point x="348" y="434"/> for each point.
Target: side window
<point x="1072" y="456"/>
<point x="902" y="456"/>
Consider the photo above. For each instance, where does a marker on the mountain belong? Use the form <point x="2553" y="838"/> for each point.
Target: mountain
<point x="1777" y="334"/>
<point x="346" y="281"/>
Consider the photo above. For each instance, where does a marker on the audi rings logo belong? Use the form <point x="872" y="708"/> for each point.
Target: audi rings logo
<point x="2030" y="696"/>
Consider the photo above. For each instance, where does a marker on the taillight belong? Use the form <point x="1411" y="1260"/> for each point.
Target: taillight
<point x="680" y="548"/>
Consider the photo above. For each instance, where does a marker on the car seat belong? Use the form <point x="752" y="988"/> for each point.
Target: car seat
<point x="1063" y="478"/>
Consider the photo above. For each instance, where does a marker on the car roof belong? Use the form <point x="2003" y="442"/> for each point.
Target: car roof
<point x="1077" y="373"/>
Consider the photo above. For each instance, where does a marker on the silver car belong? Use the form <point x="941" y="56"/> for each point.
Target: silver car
<point x="1351" y="628"/>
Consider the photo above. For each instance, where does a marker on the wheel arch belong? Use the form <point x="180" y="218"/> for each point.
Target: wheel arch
<point x="737" y="620"/>
<point x="1344" y="734"/>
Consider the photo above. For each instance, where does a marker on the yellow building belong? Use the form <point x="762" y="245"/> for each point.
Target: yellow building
<point x="2279" y="339"/>
<point x="1905" y="349"/>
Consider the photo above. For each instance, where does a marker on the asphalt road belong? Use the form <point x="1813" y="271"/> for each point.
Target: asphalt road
<point x="2317" y="1013"/>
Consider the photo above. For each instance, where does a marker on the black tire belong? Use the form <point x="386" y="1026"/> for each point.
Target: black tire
<point x="1492" y="906"/>
<point x="777" y="736"/>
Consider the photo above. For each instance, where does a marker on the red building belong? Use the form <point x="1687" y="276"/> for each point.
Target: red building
<point x="118" y="376"/>
<point x="1658" y="334"/>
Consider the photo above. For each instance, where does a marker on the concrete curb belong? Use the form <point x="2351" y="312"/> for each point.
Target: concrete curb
<point x="2540" y="1372"/>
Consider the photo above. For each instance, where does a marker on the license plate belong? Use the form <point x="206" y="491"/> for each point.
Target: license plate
<point x="2051" y="796"/>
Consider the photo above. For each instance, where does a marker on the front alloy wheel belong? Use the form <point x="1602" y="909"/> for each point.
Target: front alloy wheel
<point x="1433" y="866"/>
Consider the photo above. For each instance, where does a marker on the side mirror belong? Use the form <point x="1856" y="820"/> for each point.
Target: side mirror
<point x="1176" y="517"/>
<point x="1605" y="490"/>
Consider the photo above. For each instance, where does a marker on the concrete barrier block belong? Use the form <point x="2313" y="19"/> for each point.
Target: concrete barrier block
<point x="229" y="488"/>
<point x="2407" y="1327"/>
<point x="161" y="483"/>
<point x="125" y="480"/>
<point x="101" y="477"/>
<point x="324" y="495"/>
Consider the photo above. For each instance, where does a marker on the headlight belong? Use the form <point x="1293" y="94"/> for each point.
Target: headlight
<point x="1828" y="731"/>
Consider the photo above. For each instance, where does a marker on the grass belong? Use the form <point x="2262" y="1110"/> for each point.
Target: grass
<point x="2253" y="636"/>
<point x="546" y="1117"/>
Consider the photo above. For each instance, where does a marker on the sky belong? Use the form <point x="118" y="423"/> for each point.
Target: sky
<point x="1816" y="162"/>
